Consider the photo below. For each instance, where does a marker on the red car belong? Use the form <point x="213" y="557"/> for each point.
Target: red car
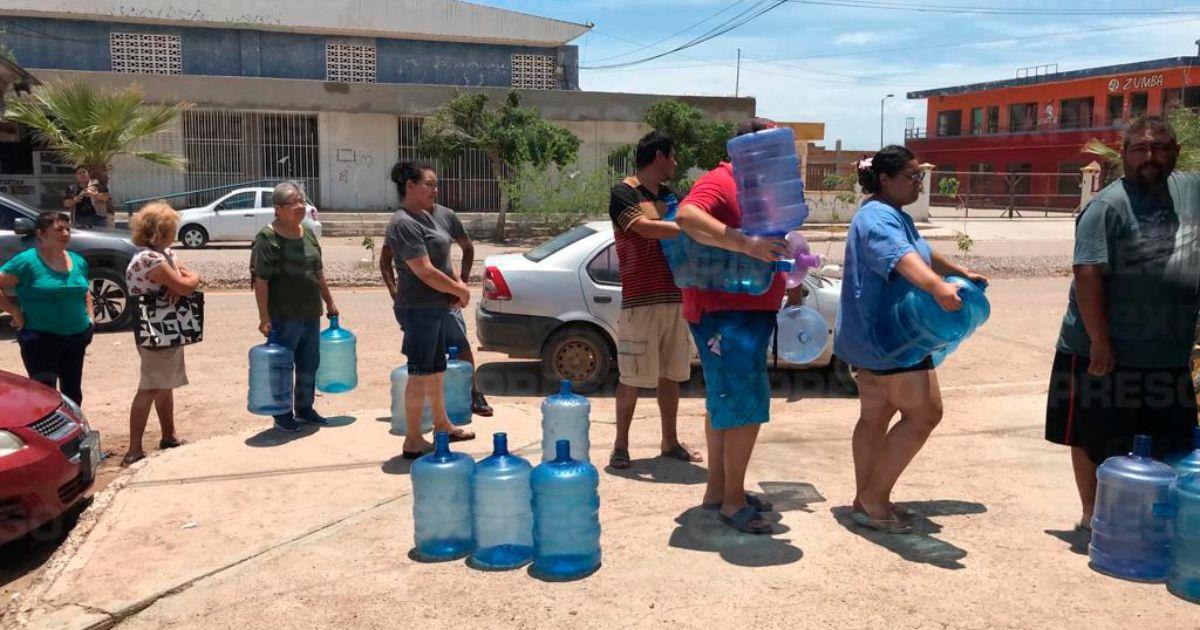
<point x="48" y="455"/>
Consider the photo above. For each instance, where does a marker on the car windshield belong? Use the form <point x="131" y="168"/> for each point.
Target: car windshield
<point x="547" y="249"/>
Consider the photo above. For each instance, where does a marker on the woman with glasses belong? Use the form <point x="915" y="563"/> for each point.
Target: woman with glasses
<point x="885" y="255"/>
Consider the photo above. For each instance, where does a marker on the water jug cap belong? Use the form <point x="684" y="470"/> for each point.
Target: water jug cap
<point x="565" y="386"/>
<point x="500" y="443"/>
<point x="453" y="352"/>
<point x="273" y="337"/>
<point x="1141" y="445"/>
<point x="812" y="261"/>
<point x="441" y="444"/>
<point x="562" y="450"/>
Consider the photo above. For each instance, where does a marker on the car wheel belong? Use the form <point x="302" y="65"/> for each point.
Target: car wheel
<point x="579" y="354"/>
<point x="845" y="374"/>
<point x="193" y="236"/>
<point x="112" y="308"/>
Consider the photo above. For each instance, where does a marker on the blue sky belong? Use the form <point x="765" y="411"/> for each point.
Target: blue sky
<point x="817" y="62"/>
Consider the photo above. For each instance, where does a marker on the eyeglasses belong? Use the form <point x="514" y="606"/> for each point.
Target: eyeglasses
<point x="915" y="176"/>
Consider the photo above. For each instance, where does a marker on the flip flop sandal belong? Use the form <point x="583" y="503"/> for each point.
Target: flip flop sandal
<point x="130" y="460"/>
<point x="165" y="444"/>
<point x="459" y="435"/>
<point x="888" y="526"/>
<point x="742" y="521"/>
<point x="752" y="500"/>
<point x="682" y="453"/>
<point x="619" y="460"/>
<point x="410" y="455"/>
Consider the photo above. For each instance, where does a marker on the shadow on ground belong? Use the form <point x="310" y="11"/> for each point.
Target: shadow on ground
<point x="919" y="546"/>
<point x="1077" y="539"/>
<point x="662" y="470"/>
<point x="274" y="437"/>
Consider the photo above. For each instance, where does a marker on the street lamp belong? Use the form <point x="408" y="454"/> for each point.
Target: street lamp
<point x="881" y="101"/>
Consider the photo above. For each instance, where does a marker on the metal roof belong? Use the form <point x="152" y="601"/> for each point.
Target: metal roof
<point x="452" y="20"/>
<point x="1059" y="77"/>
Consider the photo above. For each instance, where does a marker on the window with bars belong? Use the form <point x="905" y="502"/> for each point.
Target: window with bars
<point x="465" y="184"/>
<point x="145" y="53"/>
<point x="350" y="63"/>
<point x="534" y="72"/>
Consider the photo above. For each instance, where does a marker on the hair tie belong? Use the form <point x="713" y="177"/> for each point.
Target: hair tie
<point x="864" y="164"/>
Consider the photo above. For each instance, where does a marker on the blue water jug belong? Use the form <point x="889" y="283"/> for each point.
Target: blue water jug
<point x="1183" y="578"/>
<point x="441" y="483"/>
<point x="1131" y="524"/>
<point x="1190" y="463"/>
<point x="339" y="359"/>
<point x="565" y="416"/>
<point x="769" y="187"/>
<point x="457" y="387"/>
<point x="272" y="369"/>
<point x="801" y="335"/>
<point x="913" y="325"/>
<point x="566" y="517"/>
<point x="502" y="510"/>
<point x="399" y="415"/>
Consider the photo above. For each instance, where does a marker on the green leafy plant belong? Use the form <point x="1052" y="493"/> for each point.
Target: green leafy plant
<point x="965" y="242"/>
<point x="699" y="142"/>
<point x="1187" y="129"/>
<point x="559" y="197"/>
<point x="368" y="244"/>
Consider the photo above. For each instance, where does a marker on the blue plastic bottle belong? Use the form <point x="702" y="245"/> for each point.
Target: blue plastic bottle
<point x="770" y="189"/>
<point x="1183" y="578"/>
<point x="271" y="373"/>
<point x="441" y="484"/>
<point x="565" y="416"/>
<point x="502" y="510"/>
<point x="457" y="387"/>
<point x="566" y="517"/>
<point x="1190" y="463"/>
<point x="1131" y="525"/>
<point x="338" y="372"/>
<point x="802" y="334"/>
<point x="913" y="325"/>
<point x="399" y="415"/>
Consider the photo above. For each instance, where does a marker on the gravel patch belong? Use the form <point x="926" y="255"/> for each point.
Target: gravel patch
<point x="233" y="274"/>
<point x="1018" y="266"/>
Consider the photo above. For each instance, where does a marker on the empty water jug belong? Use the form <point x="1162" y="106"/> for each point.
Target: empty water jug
<point x="441" y="483"/>
<point x="565" y="416"/>
<point x="339" y="359"/>
<point x="399" y="415"/>
<point x="1131" y="524"/>
<point x="803" y="260"/>
<point x="566" y="517"/>
<point x="1183" y="578"/>
<point x="695" y="265"/>
<point x="801" y="335"/>
<point x="456" y="384"/>
<point x="502" y="510"/>
<point x="769" y="187"/>
<point x="1190" y="463"/>
<point x="271" y="374"/>
<point x="913" y="325"/>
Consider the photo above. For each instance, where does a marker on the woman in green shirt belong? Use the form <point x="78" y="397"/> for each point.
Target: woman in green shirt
<point x="53" y="310"/>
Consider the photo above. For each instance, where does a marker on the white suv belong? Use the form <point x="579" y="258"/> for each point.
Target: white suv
<point x="236" y="216"/>
<point x="560" y="301"/>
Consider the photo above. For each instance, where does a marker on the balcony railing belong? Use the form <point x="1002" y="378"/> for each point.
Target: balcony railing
<point x="1097" y="121"/>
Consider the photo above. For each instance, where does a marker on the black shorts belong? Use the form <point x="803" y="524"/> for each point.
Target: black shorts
<point x="1102" y="414"/>
<point x="925" y="364"/>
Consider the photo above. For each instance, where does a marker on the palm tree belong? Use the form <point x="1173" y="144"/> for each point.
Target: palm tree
<point x="1187" y="129"/>
<point x="87" y="126"/>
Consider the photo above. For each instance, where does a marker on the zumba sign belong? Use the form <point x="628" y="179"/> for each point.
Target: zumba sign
<point x="1136" y="83"/>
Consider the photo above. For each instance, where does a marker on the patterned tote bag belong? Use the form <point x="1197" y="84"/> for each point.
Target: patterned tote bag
<point x="163" y="323"/>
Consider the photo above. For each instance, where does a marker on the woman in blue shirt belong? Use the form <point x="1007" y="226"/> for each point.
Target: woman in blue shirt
<point x="54" y="315"/>
<point x="885" y="254"/>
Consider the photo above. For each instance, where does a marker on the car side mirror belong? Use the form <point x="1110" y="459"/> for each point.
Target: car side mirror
<point x="23" y="226"/>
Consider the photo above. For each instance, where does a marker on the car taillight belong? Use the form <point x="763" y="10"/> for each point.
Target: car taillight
<point x="494" y="286"/>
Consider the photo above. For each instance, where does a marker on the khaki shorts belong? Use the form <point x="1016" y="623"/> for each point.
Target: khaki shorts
<point x="653" y="342"/>
<point x="162" y="368"/>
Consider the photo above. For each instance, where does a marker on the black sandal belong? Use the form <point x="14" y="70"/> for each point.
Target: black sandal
<point x="619" y="460"/>
<point x="171" y="443"/>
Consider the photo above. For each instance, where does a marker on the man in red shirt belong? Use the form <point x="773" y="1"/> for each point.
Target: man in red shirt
<point x="732" y="332"/>
<point x="653" y="350"/>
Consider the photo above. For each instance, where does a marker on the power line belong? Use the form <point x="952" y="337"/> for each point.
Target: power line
<point x="672" y="36"/>
<point x="980" y="10"/>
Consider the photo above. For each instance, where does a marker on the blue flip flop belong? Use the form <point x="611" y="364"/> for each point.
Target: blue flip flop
<point x="752" y="500"/>
<point x="741" y="521"/>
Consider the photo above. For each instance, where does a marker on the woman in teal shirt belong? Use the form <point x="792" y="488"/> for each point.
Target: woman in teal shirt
<point x="53" y="311"/>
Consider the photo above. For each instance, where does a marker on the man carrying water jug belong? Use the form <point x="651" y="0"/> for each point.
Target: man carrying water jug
<point x="652" y="339"/>
<point x="1123" y="353"/>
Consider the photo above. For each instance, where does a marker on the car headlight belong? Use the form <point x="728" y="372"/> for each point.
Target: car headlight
<point x="10" y="443"/>
<point x="76" y="411"/>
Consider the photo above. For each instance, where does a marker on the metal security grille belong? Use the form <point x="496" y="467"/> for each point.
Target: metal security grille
<point x="225" y="147"/>
<point x="145" y="53"/>
<point x="534" y="72"/>
<point x="349" y="63"/>
<point x="465" y="184"/>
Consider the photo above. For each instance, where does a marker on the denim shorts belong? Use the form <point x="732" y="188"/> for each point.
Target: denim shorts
<point x="733" y="353"/>
<point x="455" y="331"/>
<point x="425" y="331"/>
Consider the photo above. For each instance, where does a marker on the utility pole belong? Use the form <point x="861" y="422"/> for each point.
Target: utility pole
<point x="737" y="81"/>
<point x="881" y="101"/>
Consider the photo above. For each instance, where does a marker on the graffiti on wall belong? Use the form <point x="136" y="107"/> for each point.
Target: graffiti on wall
<point x="166" y="12"/>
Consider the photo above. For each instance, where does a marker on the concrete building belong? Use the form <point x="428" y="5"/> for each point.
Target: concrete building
<point x="330" y="92"/>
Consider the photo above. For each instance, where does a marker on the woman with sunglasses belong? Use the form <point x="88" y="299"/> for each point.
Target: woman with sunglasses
<point x="886" y="255"/>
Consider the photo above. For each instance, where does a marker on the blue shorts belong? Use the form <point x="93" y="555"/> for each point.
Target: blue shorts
<point x="455" y="328"/>
<point x="425" y="333"/>
<point x="733" y="353"/>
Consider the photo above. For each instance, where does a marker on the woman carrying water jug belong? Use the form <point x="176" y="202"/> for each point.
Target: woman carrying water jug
<point x="886" y="255"/>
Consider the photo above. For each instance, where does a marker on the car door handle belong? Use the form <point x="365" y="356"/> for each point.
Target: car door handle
<point x="602" y="299"/>
<point x="248" y="215"/>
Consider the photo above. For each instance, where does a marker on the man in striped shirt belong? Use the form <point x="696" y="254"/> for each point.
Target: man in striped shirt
<point x="653" y="350"/>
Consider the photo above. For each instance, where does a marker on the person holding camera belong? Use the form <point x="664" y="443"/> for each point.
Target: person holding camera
<point x="87" y="200"/>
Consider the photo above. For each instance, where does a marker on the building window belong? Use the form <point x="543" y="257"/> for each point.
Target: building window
<point x="145" y="53"/>
<point x="1022" y="117"/>
<point x="1116" y="109"/>
<point x="1139" y="102"/>
<point x="534" y="72"/>
<point x="949" y="123"/>
<point x="1075" y="113"/>
<point x="981" y="180"/>
<point x="349" y="63"/>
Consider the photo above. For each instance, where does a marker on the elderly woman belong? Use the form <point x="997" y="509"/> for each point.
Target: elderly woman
<point x="54" y="315"/>
<point x="289" y="286"/>
<point x="154" y="269"/>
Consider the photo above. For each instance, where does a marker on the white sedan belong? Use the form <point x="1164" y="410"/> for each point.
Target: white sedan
<point x="560" y="301"/>
<point x="236" y="216"/>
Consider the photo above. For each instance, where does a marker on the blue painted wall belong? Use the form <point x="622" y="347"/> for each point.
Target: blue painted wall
<point x="82" y="45"/>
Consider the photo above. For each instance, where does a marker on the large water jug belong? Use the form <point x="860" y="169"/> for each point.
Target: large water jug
<point x="399" y="415"/>
<point x="271" y="374"/>
<point x="1131" y="524"/>
<point x="1190" y="463"/>
<point x="913" y="326"/>
<point x="566" y="517"/>
<point x="339" y="359"/>
<point x="803" y="260"/>
<point x="769" y="187"/>
<point x="441" y="483"/>
<point x="565" y="416"/>
<point x="802" y="334"/>
<point x="695" y="265"/>
<point x="457" y="387"/>
<point x="502" y="510"/>
<point x="1183" y="578"/>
